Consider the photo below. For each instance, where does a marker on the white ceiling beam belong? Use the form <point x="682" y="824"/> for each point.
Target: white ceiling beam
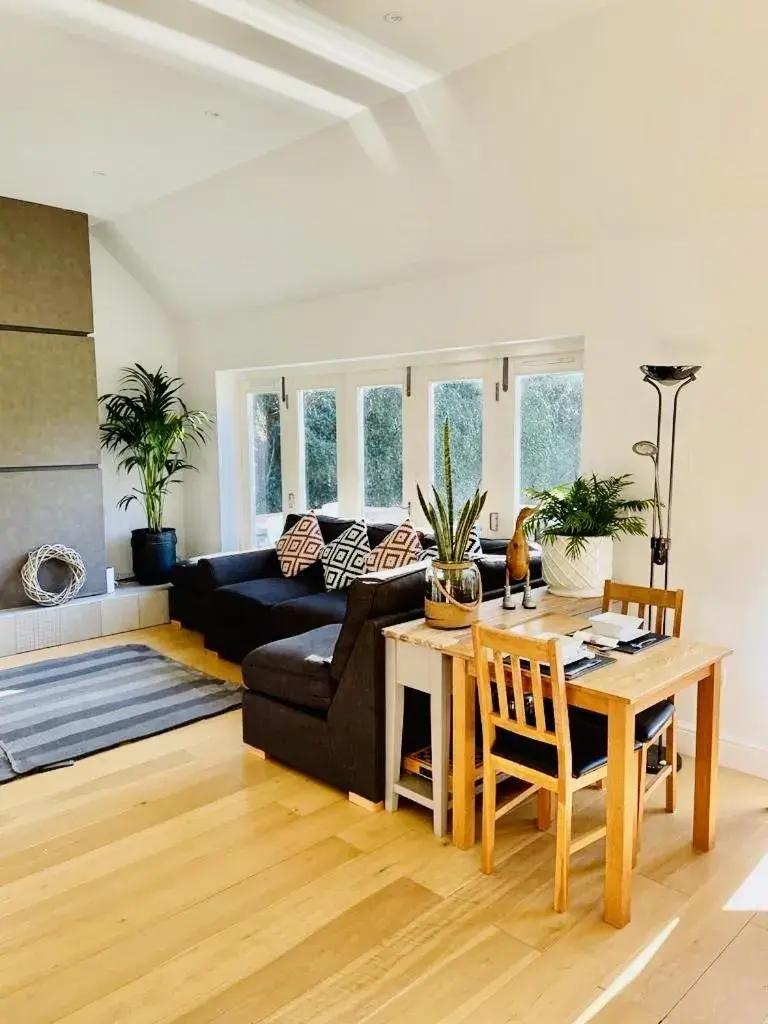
<point x="152" y="36"/>
<point x="324" y="38"/>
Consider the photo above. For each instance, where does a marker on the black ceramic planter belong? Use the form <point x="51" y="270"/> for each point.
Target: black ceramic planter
<point x="153" y="555"/>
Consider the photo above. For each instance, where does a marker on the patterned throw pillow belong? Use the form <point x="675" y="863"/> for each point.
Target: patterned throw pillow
<point x="474" y="549"/>
<point x="399" y="548"/>
<point x="301" y="546"/>
<point x="346" y="558"/>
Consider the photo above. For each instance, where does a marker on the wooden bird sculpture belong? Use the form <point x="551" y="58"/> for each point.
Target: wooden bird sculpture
<point x="518" y="554"/>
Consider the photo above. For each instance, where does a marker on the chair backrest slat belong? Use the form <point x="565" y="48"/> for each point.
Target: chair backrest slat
<point x="501" y="689"/>
<point x="538" y="697"/>
<point x="647" y="600"/>
<point x="517" y="688"/>
<point x="516" y="663"/>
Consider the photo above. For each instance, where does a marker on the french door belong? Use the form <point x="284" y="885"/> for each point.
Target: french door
<point x="356" y="442"/>
<point x="467" y="397"/>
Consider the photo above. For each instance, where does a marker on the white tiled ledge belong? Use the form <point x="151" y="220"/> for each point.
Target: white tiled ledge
<point x="129" y="607"/>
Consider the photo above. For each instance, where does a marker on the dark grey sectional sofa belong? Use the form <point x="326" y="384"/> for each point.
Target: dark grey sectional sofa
<point x="313" y="661"/>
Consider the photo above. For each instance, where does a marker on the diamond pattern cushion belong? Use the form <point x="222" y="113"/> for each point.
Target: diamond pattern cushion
<point x="346" y="558"/>
<point x="301" y="546"/>
<point x="473" y="551"/>
<point x="401" y="547"/>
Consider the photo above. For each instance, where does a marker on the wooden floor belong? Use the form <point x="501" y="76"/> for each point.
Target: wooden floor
<point x="181" y="878"/>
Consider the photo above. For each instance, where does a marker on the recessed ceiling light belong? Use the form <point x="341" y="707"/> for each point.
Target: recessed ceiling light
<point x="394" y="17"/>
<point x="99" y="174"/>
<point x="212" y="113"/>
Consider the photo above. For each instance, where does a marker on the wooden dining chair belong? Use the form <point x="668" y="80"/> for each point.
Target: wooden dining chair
<point x="664" y="612"/>
<point x="527" y="734"/>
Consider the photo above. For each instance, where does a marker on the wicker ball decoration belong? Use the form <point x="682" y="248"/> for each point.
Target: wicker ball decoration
<point x="55" y="553"/>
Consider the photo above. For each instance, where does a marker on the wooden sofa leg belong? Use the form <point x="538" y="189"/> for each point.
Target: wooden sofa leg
<point x="367" y="805"/>
<point x="262" y="754"/>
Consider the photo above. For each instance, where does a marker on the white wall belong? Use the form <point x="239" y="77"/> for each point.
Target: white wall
<point x="635" y="145"/>
<point x="129" y="327"/>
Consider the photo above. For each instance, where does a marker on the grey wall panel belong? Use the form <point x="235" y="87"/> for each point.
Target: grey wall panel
<point x="45" y="267"/>
<point x="48" y="403"/>
<point x="50" y="506"/>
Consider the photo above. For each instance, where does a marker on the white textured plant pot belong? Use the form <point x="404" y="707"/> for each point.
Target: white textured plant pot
<point x="583" y="576"/>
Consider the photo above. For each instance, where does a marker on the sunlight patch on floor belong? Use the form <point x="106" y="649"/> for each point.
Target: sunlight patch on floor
<point x="752" y="894"/>
<point x="628" y="975"/>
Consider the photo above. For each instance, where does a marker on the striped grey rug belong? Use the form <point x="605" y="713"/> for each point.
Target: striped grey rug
<point x="53" y="712"/>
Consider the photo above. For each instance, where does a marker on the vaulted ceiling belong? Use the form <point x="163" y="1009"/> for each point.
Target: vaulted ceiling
<point x="177" y="124"/>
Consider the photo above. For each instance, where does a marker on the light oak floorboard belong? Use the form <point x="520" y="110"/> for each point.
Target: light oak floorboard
<point x="183" y="879"/>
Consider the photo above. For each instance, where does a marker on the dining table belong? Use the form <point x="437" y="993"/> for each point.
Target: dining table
<point x="619" y="690"/>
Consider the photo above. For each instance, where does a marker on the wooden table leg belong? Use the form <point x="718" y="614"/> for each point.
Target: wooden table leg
<point x="463" y="755"/>
<point x="707" y="757"/>
<point x="620" y="814"/>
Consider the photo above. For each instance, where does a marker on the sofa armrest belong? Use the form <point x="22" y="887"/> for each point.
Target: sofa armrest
<point x="395" y="592"/>
<point x="357" y="715"/>
<point x="224" y="570"/>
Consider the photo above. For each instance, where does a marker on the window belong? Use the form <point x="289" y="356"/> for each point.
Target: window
<point x="354" y="437"/>
<point x="319" y="449"/>
<point x="265" y="451"/>
<point x="381" y="414"/>
<point x="550" y="407"/>
<point x="461" y="403"/>
<point x="266" y="467"/>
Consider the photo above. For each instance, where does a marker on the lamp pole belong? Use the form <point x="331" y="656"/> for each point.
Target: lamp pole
<point x="667" y="377"/>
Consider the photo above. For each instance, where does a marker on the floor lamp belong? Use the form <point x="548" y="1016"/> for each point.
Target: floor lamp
<point x="666" y="378"/>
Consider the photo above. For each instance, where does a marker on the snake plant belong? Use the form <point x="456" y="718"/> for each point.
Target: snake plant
<point x="451" y="526"/>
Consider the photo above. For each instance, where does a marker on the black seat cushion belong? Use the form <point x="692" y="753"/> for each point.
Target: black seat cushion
<point x="296" y="670"/>
<point x="650" y="722"/>
<point x="589" y="744"/>
<point x="309" y="612"/>
<point x="256" y="596"/>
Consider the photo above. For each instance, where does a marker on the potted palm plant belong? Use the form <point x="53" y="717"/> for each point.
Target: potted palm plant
<point x="453" y="585"/>
<point x="150" y="430"/>
<point x="577" y="524"/>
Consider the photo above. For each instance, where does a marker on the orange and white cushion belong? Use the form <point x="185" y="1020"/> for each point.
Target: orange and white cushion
<point x="399" y="548"/>
<point x="301" y="546"/>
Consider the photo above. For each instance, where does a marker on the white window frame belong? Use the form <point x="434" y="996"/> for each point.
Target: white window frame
<point x="500" y="429"/>
<point x="356" y="382"/>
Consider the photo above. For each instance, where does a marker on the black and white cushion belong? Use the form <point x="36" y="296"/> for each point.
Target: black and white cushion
<point x="473" y="551"/>
<point x="346" y="558"/>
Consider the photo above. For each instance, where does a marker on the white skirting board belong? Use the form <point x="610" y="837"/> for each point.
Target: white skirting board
<point x="740" y="756"/>
<point x="129" y="607"/>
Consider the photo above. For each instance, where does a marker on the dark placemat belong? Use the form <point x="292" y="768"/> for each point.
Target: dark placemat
<point x="642" y="643"/>
<point x="576" y="669"/>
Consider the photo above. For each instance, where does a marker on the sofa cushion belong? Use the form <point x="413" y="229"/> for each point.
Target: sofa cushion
<point x="309" y="612"/>
<point x="300" y="546"/>
<point x="346" y="558"/>
<point x="254" y="596"/>
<point x="296" y="670"/>
<point x="331" y="527"/>
<point x="400" y="547"/>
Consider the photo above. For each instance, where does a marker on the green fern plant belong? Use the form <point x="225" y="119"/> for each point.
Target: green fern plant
<point x="451" y="531"/>
<point x="589" y="507"/>
<point x="150" y="430"/>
